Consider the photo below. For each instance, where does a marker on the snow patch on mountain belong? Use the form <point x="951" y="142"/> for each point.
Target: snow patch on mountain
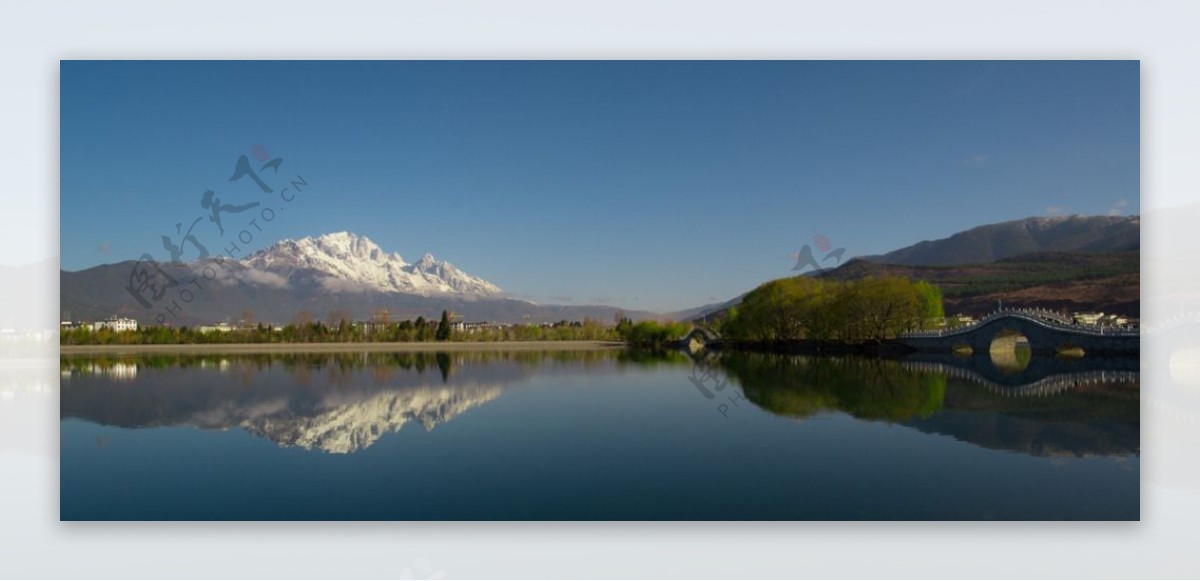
<point x="346" y="262"/>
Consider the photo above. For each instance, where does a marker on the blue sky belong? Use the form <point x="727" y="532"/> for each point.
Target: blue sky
<point x="650" y="185"/>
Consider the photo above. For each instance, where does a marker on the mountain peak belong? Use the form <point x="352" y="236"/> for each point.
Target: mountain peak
<point x="344" y="261"/>
<point x="341" y="238"/>
<point x="346" y="243"/>
<point x="342" y="235"/>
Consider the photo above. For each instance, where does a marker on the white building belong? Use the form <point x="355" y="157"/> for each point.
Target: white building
<point x="465" y="327"/>
<point x="116" y="324"/>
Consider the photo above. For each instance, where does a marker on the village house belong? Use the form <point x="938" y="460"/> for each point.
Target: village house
<point x="116" y="324"/>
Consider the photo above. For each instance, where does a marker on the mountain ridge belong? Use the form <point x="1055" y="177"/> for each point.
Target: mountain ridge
<point x="100" y="292"/>
<point x="992" y="242"/>
<point x="1021" y="257"/>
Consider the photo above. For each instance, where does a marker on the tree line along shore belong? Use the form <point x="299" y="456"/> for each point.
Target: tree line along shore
<point x="342" y="330"/>
<point x="780" y="311"/>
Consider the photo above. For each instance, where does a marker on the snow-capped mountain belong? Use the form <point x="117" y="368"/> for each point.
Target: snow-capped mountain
<point x="353" y="426"/>
<point x="345" y="262"/>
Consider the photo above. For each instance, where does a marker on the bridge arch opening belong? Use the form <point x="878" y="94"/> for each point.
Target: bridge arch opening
<point x="1010" y="351"/>
<point x="699" y="338"/>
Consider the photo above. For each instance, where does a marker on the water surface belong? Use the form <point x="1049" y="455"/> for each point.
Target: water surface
<point x="604" y="434"/>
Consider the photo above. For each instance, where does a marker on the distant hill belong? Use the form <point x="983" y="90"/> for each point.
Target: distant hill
<point x="1075" y="281"/>
<point x="1007" y="239"/>
<point x="699" y="312"/>
<point x="1077" y="263"/>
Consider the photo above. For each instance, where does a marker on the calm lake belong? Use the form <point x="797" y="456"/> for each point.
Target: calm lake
<point x="601" y="434"/>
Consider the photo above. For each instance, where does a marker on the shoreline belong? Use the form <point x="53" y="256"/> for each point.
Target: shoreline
<point x="431" y="346"/>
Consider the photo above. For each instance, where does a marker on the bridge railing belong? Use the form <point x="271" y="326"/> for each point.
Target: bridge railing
<point x="1043" y="317"/>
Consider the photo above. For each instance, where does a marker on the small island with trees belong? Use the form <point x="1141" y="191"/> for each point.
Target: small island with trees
<point x="827" y="315"/>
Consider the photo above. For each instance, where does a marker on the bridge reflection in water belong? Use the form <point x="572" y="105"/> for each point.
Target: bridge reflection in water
<point x="344" y="403"/>
<point x="1073" y="407"/>
<point x="603" y="435"/>
<point x="1040" y="376"/>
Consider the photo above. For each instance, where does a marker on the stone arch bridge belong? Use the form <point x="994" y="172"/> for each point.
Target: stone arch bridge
<point x="700" y="337"/>
<point x="1046" y="331"/>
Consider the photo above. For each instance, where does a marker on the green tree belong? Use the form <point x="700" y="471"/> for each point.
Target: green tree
<point x="443" y="329"/>
<point x="624" y="328"/>
<point x="422" y="329"/>
<point x="796" y="308"/>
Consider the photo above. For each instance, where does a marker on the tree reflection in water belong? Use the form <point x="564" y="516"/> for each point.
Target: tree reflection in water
<point x="870" y="389"/>
<point x="1090" y="411"/>
<point x="1082" y="407"/>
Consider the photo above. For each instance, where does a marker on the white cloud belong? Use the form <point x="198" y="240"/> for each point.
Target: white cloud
<point x="252" y="276"/>
<point x="336" y="285"/>
<point x="1053" y="210"/>
<point x="1118" y="208"/>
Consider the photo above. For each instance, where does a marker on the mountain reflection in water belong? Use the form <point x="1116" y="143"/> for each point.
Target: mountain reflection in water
<point x="335" y="402"/>
<point x="342" y="403"/>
